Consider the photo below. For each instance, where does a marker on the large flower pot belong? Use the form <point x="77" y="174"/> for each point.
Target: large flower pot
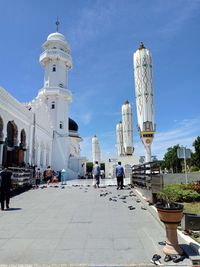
<point x="171" y="217"/>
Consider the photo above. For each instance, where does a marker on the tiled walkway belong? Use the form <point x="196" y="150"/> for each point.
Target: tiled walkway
<point x="79" y="225"/>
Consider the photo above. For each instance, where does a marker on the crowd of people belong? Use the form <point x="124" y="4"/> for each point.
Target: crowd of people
<point x="50" y="176"/>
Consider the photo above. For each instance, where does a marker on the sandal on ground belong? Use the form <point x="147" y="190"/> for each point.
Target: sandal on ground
<point x="178" y="258"/>
<point x="155" y="259"/>
<point x="162" y="243"/>
<point x="167" y="258"/>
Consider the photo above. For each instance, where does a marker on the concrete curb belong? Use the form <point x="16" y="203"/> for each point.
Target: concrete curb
<point x="78" y="265"/>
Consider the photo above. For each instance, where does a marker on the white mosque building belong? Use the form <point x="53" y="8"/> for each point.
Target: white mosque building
<point x="41" y="132"/>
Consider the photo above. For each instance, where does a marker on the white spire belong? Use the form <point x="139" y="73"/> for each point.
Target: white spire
<point x="144" y="97"/>
<point x="127" y="125"/>
<point x="119" y="137"/>
<point x="95" y="149"/>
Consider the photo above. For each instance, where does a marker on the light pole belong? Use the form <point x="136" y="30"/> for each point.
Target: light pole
<point x="184" y="153"/>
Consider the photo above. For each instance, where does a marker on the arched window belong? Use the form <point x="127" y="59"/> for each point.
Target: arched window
<point x="53" y="105"/>
<point x="12" y="133"/>
<point x="54" y="68"/>
<point x="23" y="139"/>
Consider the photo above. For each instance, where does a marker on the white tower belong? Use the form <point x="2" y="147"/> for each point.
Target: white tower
<point x="144" y="97"/>
<point x="56" y="61"/>
<point x="95" y="149"/>
<point x="119" y="137"/>
<point x="127" y="125"/>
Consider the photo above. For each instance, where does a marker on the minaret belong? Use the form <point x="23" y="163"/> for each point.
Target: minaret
<point x="56" y="61"/>
<point x="144" y="97"/>
<point x="127" y="125"/>
<point x="95" y="149"/>
<point x="119" y="137"/>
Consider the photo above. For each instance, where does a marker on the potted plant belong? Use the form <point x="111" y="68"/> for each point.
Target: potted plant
<point x="170" y="213"/>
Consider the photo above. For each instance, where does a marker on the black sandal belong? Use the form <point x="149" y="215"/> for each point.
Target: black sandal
<point x="167" y="258"/>
<point x="178" y="258"/>
<point x="155" y="259"/>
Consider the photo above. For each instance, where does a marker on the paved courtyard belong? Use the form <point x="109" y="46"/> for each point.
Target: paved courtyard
<point x="80" y="225"/>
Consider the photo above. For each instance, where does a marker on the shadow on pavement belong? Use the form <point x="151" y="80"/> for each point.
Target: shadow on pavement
<point x="13" y="209"/>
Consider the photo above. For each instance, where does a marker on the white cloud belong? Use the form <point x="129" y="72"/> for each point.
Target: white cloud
<point x="184" y="134"/>
<point x="86" y="118"/>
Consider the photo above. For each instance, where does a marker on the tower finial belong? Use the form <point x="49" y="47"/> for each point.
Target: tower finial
<point x="57" y="24"/>
<point x="141" y="46"/>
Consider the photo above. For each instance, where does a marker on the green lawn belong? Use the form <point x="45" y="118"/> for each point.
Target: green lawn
<point x="193" y="207"/>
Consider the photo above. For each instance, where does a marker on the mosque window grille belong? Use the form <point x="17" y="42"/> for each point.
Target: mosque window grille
<point x="54" y="68"/>
<point x="61" y="125"/>
<point x="53" y="105"/>
<point x="61" y="85"/>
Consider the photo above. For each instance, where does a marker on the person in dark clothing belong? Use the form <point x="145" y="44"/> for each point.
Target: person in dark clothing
<point x="120" y="176"/>
<point x="5" y="186"/>
<point x="96" y="174"/>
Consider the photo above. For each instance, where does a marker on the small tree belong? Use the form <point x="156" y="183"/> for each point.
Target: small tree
<point x="89" y="167"/>
<point x="171" y="160"/>
<point x="195" y="161"/>
<point x="102" y="166"/>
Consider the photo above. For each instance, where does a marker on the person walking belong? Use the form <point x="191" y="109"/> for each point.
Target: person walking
<point x="5" y="187"/>
<point x="37" y="177"/>
<point x="96" y="174"/>
<point x="120" y="176"/>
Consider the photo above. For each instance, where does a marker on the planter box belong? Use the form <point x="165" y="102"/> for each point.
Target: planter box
<point x="190" y="221"/>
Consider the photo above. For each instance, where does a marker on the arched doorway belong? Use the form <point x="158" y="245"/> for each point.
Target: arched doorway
<point x="23" y="139"/>
<point x="1" y="139"/>
<point x="11" y="150"/>
<point x="22" y="147"/>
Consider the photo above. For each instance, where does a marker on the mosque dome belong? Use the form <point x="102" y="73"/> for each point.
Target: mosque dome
<point x="73" y="126"/>
<point x="56" y="36"/>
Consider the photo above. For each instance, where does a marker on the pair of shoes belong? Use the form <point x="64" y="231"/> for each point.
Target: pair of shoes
<point x="178" y="258"/>
<point x="155" y="259"/>
<point x="117" y="188"/>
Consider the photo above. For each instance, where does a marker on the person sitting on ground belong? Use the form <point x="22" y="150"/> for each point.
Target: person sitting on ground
<point x="48" y="174"/>
<point x="55" y="177"/>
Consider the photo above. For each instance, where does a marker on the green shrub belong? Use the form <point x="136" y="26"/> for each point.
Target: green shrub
<point x="194" y="169"/>
<point x="179" y="193"/>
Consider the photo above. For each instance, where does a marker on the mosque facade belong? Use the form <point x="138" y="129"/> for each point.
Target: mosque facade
<point x="40" y="132"/>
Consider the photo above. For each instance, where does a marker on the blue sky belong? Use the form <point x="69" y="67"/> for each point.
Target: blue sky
<point x="103" y="36"/>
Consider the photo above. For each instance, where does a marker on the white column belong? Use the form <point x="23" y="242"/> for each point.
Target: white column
<point x="1" y="153"/>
